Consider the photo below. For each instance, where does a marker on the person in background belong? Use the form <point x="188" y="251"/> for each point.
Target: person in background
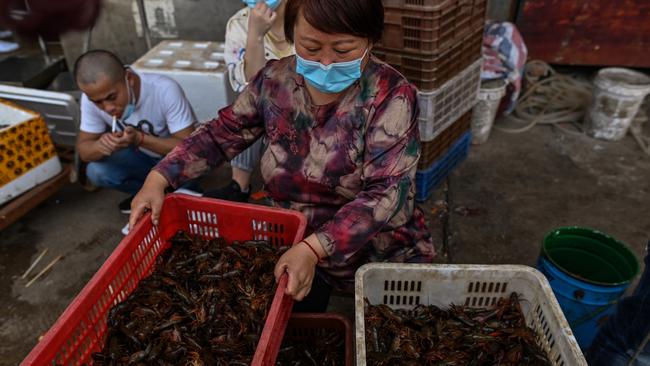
<point x="343" y="146"/>
<point x="624" y="340"/>
<point x="254" y="35"/>
<point x="152" y="117"/>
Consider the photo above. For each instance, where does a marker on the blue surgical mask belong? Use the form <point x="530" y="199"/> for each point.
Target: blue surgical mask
<point x="273" y="4"/>
<point x="332" y="78"/>
<point x="130" y="107"/>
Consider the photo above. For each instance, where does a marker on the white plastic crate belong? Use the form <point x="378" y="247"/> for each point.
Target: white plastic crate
<point x="404" y="286"/>
<point x="200" y="69"/>
<point x="441" y="107"/>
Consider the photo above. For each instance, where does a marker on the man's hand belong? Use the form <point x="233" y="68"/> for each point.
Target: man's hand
<point x="130" y="137"/>
<point x="261" y="19"/>
<point x="107" y="144"/>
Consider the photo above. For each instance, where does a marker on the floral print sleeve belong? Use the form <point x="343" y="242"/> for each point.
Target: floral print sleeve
<point x="216" y="141"/>
<point x="235" y="48"/>
<point x="389" y="165"/>
<point x="236" y="38"/>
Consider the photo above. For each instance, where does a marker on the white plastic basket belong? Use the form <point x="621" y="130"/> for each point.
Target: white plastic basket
<point x="441" y="107"/>
<point x="404" y="286"/>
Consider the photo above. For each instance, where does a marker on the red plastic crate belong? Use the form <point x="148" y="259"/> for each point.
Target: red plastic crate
<point x="428" y="30"/>
<point x="313" y="325"/>
<point x="432" y="71"/>
<point x="415" y="31"/>
<point x="421" y="5"/>
<point x="80" y="330"/>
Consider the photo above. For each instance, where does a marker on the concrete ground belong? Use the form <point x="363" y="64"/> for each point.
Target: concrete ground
<point x="495" y="208"/>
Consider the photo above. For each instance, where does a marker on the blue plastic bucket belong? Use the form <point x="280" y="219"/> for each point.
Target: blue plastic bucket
<point x="588" y="271"/>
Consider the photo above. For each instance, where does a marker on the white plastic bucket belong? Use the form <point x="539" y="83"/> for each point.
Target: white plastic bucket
<point x="484" y="112"/>
<point x="618" y="93"/>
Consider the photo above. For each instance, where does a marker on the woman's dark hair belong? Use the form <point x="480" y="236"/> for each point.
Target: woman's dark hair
<point x="360" y="18"/>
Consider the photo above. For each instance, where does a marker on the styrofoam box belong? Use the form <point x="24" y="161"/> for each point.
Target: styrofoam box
<point x="441" y="107"/>
<point x="200" y="69"/>
<point x="26" y="160"/>
<point x="404" y="286"/>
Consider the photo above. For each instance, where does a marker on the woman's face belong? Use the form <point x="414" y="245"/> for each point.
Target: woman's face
<point x="314" y="45"/>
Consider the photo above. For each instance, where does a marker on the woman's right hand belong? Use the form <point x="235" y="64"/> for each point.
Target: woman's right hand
<point x="150" y="197"/>
<point x="261" y="19"/>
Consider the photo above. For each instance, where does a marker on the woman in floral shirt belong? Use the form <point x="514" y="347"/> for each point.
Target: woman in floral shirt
<point x="343" y="146"/>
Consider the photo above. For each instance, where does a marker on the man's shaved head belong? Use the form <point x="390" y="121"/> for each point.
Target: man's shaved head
<point x="93" y="65"/>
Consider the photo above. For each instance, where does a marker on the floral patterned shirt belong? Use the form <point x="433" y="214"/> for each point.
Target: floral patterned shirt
<point x="236" y="36"/>
<point x="348" y="166"/>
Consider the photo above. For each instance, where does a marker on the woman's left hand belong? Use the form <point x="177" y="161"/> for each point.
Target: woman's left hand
<point x="300" y="264"/>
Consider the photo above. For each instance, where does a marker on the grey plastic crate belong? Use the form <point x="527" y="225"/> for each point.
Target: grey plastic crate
<point x="60" y="110"/>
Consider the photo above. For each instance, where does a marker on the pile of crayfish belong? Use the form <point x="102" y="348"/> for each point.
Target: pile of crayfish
<point x="460" y="335"/>
<point x="204" y="304"/>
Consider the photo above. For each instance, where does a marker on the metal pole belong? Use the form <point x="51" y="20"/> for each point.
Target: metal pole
<point x="145" y="25"/>
<point x="89" y="35"/>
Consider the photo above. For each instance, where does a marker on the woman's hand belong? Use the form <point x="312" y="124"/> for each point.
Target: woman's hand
<point x="150" y="197"/>
<point x="261" y="19"/>
<point x="300" y="264"/>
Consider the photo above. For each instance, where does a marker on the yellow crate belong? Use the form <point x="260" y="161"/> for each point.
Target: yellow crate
<point x="27" y="154"/>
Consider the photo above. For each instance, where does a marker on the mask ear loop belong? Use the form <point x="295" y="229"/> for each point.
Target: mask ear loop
<point x="128" y="88"/>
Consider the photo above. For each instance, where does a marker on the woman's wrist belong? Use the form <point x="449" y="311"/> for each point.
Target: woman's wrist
<point x="254" y="41"/>
<point x="156" y="181"/>
<point x="312" y="250"/>
<point x="316" y="247"/>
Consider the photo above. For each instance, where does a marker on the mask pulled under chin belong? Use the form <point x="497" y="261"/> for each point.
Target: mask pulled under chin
<point x="130" y="107"/>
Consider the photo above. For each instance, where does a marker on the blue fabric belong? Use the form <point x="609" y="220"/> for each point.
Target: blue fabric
<point x="124" y="170"/>
<point x="623" y="334"/>
<point x="273" y="4"/>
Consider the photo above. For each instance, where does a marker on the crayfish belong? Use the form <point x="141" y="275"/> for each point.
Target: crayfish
<point x="460" y="335"/>
<point x="205" y="303"/>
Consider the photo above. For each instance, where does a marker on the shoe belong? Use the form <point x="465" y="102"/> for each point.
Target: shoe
<point x="125" y="205"/>
<point x="6" y="47"/>
<point x="188" y="192"/>
<point x="231" y="192"/>
<point x="125" y="229"/>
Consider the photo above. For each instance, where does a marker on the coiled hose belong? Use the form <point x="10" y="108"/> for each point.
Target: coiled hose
<point x="553" y="99"/>
<point x="550" y="98"/>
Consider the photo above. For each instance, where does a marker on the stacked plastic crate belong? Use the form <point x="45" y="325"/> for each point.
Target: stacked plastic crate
<point x="436" y="45"/>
